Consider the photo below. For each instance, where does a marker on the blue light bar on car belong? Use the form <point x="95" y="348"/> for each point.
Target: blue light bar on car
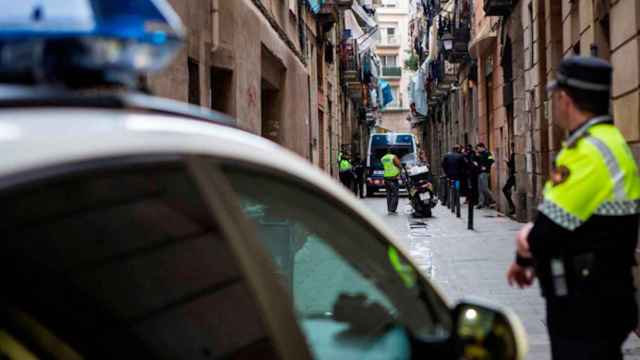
<point x="121" y="35"/>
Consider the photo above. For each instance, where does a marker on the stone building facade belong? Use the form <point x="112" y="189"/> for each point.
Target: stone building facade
<point x="516" y="54"/>
<point x="272" y="65"/>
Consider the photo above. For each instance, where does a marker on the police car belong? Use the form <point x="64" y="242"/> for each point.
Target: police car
<point x="136" y="227"/>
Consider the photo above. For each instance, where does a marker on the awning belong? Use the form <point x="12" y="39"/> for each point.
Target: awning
<point x="350" y="23"/>
<point x="365" y="40"/>
<point x="364" y="17"/>
<point x="483" y="40"/>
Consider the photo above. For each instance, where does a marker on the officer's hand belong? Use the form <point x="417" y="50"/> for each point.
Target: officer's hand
<point x="522" y="240"/>
<point x="521" y="276"/>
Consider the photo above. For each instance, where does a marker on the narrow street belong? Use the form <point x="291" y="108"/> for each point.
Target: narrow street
<point x="472" y="264"/>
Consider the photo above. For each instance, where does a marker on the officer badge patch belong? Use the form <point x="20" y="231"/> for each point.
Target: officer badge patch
<point x="559" y="175"/>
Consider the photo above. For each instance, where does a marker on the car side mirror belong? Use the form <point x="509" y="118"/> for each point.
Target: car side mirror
<point x="484" y="332"/>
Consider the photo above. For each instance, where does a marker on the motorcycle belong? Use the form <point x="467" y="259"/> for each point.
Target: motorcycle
<point x="418" y="181"/>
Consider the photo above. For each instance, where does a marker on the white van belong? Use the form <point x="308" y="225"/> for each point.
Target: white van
<point x="401" y="143"/>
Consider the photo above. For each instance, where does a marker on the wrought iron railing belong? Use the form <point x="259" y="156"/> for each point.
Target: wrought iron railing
<point x="394" y="71"/>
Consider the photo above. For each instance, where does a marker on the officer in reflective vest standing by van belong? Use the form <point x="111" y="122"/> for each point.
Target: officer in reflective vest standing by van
<point x="581" y="246"/>
<point x="345" y="169"/>
<point x="392" y="167"/>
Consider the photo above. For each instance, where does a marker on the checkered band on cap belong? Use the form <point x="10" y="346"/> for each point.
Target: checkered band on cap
<point x="619" y="208"/>
<point x="559" y="216"/>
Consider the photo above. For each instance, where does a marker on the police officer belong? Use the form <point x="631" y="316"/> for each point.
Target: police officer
<point x="486" y="161"/>
<point x="581" y="246"/>
<point x="392" y="167"/>
<point x="359" y="169"/>
<point x="345" y="169"/>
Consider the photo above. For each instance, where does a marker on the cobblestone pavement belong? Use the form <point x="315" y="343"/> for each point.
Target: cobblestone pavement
<point x="472" y="264"/>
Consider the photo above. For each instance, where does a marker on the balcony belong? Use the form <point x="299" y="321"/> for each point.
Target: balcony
<point x="389" y="41"/>
<point x="392" y="71"/>
<point x="329" y="6"/>
<point x="498" y="7"/>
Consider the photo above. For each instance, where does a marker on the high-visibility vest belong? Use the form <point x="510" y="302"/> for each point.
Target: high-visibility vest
<point x="390" y="169"/>
<point x="595" y="173"/>
<point x="345" y="165"/>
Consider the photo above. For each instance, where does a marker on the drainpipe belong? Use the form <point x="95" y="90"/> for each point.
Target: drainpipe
<point x="215" y="25"/>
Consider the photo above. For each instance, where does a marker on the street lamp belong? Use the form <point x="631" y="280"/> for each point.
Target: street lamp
<point x="447" y="42"/>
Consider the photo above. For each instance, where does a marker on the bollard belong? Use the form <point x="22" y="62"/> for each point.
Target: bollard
<point x="453" y="197"/>
<point x="448" y="195"/>
<point x="457" y="189"/>
<point x="470" y="216"/>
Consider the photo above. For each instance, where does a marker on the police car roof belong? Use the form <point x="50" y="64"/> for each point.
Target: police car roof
<point x="33" y="97"/>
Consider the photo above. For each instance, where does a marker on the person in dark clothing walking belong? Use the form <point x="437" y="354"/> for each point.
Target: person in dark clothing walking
<point x="454" y="167"/>
<point x="473" y="170"/>
<point x="581" y="246"/>
<point x="453" y="164"/>
<point x="511" y="180"/>
<point x="359" y="171"/>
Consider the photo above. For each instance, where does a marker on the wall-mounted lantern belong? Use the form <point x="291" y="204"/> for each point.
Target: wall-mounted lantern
<point x="447" y="42"/>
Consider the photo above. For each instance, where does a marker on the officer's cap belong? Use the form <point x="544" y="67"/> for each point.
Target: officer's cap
<point x="583" y="73"/>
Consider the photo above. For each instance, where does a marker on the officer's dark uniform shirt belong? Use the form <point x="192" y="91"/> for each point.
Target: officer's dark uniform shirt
<point x="486" y="161"/>
<point x="588" y="223"/>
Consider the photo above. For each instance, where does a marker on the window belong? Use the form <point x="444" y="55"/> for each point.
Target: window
<point x="389" y="36"/>
<point x="194" y="81"/>
<point x="318" y="246"/>
<point x="389" y="60"/>
<point x="220" y="91"/>
<point x="125" y="254"/>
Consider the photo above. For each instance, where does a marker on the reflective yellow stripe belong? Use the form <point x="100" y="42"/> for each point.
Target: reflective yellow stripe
<point x="628" y="182"/>
<point x="612" y="164"/>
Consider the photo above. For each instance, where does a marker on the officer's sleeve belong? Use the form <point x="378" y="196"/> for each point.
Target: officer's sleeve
<point x="545" y="236"/>
<point x="579" y="184"/>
